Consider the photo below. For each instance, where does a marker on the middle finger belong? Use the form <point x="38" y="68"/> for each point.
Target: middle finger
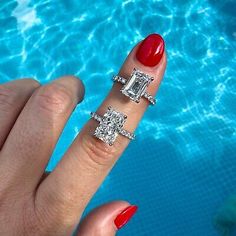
<point x="31" y="141"/>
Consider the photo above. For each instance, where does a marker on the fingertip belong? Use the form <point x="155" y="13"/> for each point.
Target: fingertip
<point x="151" y="50"/>
<point x="124" y="216"/>
<point x="73" y="83"/>
<point x="107" y="219"/>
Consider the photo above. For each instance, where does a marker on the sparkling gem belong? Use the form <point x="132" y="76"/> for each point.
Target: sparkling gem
<point x="110" y="126"/>
<point x="136" y="85"/>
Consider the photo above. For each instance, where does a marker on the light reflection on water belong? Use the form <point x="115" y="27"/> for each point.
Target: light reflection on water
<point x="186" y="145"/>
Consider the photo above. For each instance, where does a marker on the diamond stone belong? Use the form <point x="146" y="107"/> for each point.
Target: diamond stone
<point x="136" y="85"/>
<point x="111" y="124"/>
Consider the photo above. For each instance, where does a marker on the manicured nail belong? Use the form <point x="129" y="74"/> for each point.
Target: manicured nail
<point x="151" y="50"/>
<point x="125" y="216"/>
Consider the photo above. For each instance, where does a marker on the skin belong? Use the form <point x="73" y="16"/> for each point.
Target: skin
<point x="32" y="118"/>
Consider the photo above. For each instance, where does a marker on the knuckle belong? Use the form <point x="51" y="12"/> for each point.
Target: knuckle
<point x="54" y="98"/>
<point x="98" y="152"/>
<point x="10" y="93"/>
<point x="8" y="97"/>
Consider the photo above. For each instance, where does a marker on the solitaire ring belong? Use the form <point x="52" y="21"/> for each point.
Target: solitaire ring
<point x="110" y="125"/>
<point x="135" y="87"/>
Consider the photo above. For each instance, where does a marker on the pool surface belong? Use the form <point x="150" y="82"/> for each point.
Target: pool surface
<point x="182" y="166"/>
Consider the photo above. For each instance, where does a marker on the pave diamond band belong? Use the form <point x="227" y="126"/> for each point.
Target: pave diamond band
<point x="127" y="134"/>
<point x="110" y="125"/>
<point x="135" y="87"/>
<point x="96" y="117"/>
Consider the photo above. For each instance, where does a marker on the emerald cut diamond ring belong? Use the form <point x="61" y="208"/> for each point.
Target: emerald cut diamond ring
<point x="135" y="87"/>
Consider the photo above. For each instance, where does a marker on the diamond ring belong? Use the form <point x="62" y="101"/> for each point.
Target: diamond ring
<point x="135" y="87"/>
<point x="110" y="125"/>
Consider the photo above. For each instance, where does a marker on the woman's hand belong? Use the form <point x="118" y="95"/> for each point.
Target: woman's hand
<point x="32" y="118"/>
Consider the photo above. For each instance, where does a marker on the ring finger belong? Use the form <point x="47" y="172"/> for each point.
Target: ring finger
<point x="88" y="160"/>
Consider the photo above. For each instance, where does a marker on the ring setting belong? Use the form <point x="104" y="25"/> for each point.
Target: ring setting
<point x="135" y="87"/>
<point x="110" y="126"/>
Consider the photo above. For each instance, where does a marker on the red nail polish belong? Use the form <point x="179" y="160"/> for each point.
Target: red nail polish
<point x="125" y="216"/>
<point x="151" y="50"/>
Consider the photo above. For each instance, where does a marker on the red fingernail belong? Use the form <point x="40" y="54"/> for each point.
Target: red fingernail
<point x="151" y="50"/>
<point x="125" y="216"/>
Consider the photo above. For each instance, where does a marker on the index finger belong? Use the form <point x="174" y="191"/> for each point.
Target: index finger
<point x="88" y="160"/>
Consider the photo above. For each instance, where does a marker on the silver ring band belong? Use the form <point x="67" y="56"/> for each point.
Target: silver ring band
<point x="96" y="117"/>
<point x="127" y="134"/>
<point x="145" y="94"/>
<point x="111" y="124"/>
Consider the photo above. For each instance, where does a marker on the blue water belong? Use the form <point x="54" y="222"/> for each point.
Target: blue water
<point x="182" y="166"/>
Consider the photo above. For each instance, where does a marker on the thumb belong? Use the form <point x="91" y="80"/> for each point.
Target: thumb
<point x="106" y="219"/>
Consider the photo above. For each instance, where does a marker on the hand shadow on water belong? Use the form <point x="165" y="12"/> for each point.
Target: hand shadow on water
<point x="225" y="220"/>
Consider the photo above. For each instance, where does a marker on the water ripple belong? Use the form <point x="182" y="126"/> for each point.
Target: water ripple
<point x="194" y="120"/>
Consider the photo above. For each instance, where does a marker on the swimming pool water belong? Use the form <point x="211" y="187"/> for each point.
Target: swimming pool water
<point x="182" y="166"/>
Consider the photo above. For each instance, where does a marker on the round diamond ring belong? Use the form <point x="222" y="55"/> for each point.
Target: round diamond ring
<point x="135" y="87"/>
<point x="110" y="125"/>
